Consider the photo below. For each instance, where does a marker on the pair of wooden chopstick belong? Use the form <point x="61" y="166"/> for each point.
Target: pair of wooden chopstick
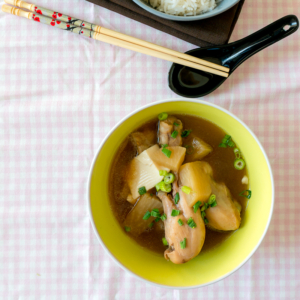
<point x="96" y="32"/>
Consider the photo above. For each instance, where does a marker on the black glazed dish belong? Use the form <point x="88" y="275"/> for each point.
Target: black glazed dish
<point x="192" y="83"/>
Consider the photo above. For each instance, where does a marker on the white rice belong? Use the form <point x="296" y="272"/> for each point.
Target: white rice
<point x="184" y="7"/>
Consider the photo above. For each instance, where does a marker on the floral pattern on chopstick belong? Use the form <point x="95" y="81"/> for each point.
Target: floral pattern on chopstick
<point x="64" y="18"/>
<point x="63" y="25"/>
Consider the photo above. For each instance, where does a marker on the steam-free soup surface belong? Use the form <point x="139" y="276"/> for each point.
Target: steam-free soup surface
<point x="220" y="159"/>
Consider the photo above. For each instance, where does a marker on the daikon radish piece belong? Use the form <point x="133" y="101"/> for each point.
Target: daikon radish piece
<point x="134" y="219"/>
<point x="196" y="148"/>
<point x="196" y="176"/>
<point x="162" y="161"/>
<point x="142" y="173"/>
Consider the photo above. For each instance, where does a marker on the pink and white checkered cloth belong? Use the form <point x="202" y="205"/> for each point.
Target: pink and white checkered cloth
<point x="59" y="97"/>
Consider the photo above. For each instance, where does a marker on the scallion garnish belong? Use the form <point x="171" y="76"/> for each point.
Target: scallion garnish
<point x="127" y="229"/>
<point x="151" y="225"/>
<point x="164" y="217"/>
<point x="162" y="186"/>
<point x="157" y="219"/>
<point x="205" y="221"/>
<point x="164" y="145"/>
<point x="223" y="145"/>
<point x="174" y="134"/>
<point x="197" y="205"/>
<point x="247" y="195"/>
<point x="231" y="144"/>
<point x="176" y="198"/>
<point x="237" y="152"/>
<point x="203" y="214"/>
<point x="191" y="223"/>
<point x="239" y="164"/>
<point x="147" y="215"/>
<point x="185" y="133"/>
<point x="169" y="178"/>
<point x="186" y="190"/>
<point x="226" y="141"/>
<point x="166" y="152"/>
<point x="142" y="190"/>
<point x="180" y="222"/>
<point x="212" y="199"/>
<point x="175" y="124"/>
<point x="155" y="213"/>
<point x="162" y="116"/>
<point x="175" y="212"/>
<point x="165" y="242"/>
<point x="163" y="172"/>
<point x="213" y="204"/>
<point x="183" y="244"/>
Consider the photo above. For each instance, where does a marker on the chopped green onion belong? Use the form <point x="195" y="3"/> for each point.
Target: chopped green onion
<point x="180" y="222"/>
<point x="185" y="133"/>
<point x="191" y="223"/>
<point x="183" y="244"/>
<point x="189" y="149"/>
<point x="239" y="164"/>
<point x="205" y="221"/>
<point x="237" y="153"/>
<point x="161" y="186"/>
<point x="226" y="139"/>
<point x="203" y="214"/>
<point x="197" y="205"/>
<point x="155" y="213"/>
<point x="175" y="213"/>
<point x="142" y="190"/>
<point x="164" y="145"/>
<point x="247" y="195"/>
<point x="147" y="215"/>
<point x="165" y="242"/>
<point x="231" y="144"/>
<point x="203" y="208"/>
<point x="176" y="198"/>
<point x="213" y="204"/>
<point x="186" y="189"/>
<point x="175" y="124"/>
<point x="151" y="195"/>
<point x="127" y="229"/>
<point x="169" y="178"/>
<point x="222" y="145"/>
<point x="157" y="219"/>
<point x="151" y="225"/>
<point x="174" y="134"/>
<point x="163" y="172"/>
<point x="162" y="116"/>
<point x="166" y="152"/>
<point x="164" y="217"/>
<point x="212" y="199"/>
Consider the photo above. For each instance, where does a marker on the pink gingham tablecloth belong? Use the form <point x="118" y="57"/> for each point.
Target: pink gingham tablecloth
<point x="60" y="94"/>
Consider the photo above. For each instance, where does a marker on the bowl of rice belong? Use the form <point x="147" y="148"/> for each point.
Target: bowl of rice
<point x="186" y="10"/>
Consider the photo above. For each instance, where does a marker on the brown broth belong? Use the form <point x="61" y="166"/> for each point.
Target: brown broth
<point x="220" y="159"/>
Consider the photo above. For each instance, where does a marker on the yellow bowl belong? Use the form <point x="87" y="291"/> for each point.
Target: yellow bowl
<point x="210" y="266"/>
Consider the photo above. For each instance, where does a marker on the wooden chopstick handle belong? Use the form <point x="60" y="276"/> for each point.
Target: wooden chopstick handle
<point x="151" y="52"/>
<point x="108" y="39"/>
<point x="149" y="45"/>
<point x="54" y="15"/>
